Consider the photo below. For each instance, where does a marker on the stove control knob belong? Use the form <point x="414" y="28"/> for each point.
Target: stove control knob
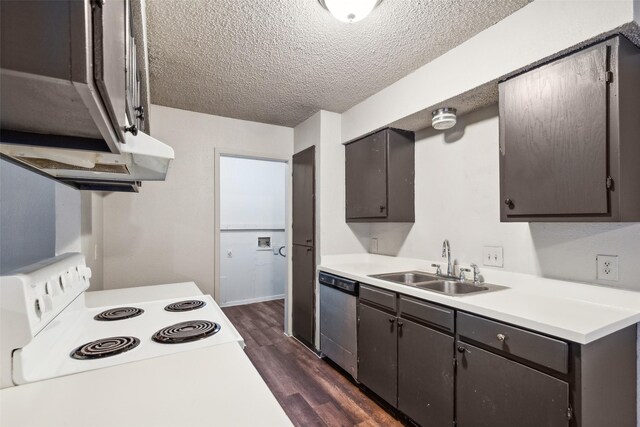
<point x="39" y="307"/>
<point x="48" y="287"/>
<point x="87" y="273"/>
<point x="62" y="283"/>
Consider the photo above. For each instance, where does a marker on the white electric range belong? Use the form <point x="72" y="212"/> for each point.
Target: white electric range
<point x="47" y="330"/>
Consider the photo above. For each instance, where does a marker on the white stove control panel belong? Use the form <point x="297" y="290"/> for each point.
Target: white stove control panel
<point x="30" y="298"/>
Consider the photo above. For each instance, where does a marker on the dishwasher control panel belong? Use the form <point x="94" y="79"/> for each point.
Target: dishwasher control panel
<point x="340" y="283"/>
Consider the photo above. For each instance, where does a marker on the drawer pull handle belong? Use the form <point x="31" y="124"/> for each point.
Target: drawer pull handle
<point x="501" y="337"/>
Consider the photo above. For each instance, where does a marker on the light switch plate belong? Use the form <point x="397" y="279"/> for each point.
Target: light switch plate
<point x="607" y="267"/>
<point x="493" y="256"/>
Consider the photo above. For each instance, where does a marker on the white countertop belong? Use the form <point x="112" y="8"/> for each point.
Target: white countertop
<point x="212" y="386"/>
<point x="576" y="312"/>
<point x="140" y="294"/>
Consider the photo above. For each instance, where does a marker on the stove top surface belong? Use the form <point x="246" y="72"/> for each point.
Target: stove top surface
<point x="80" y="339"/>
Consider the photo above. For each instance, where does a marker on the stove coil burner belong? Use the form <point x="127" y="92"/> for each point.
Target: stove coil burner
<point x="186" y="305"/>
<point x="119" y="313"/>
<point x="186" y="332"/>
<point x="105" y="347"/>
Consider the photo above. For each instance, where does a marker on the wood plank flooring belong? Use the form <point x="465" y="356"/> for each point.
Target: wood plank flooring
<point x="309" y="389"/>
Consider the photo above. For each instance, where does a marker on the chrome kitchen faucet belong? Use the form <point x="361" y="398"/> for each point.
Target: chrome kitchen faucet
<point x="446" y="251"/>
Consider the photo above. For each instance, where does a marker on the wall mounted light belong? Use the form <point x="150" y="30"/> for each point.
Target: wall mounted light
<point x="350" y="10"/>
<point x="443" y="118"/>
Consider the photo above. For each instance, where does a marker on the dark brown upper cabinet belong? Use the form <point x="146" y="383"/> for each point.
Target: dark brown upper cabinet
<point x="570" y="138"/>
<point x="380" y="170"/>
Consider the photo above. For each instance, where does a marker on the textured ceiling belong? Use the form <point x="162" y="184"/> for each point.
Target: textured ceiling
<point x="280" y="61"/>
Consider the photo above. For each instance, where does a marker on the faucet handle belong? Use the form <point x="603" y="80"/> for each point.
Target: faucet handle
<point x="438" y="270"/>
<point x="462" y="271"/>
<point x="476" y="273"/>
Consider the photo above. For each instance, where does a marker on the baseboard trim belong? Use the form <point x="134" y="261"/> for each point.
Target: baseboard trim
<point x="252" y="300"/>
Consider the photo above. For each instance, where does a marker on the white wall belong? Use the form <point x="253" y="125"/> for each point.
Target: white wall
<point x="252" y="205"/>
<point x="68" y="214"/>
<point x="334" y="236"/>
<point x="248" y="273"/>
<point x="538" y="30"/>
<point x="457" y="197"/>
<point x="27" y="217"/>
<point x="252" y="194"/>
<point x="337" y="237"/>
<point x="41" y="218"/>
<point x="92" y="236"/>
<point x="166" y="232"/>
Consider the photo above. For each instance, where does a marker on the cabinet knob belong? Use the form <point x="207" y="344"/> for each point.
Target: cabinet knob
<point x="400" y="324"/>
<point x="382" y="208"/>
<point x="509" y="203"/>
<point x="461" y="349"/>
<point x="501" y="337"/>
<point x="392" y="319"/>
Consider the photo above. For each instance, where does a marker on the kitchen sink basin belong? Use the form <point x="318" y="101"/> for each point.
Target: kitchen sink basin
<point x="432" y="282"/>
<point x="452" y="287"/>
<point x="407" y="277"/>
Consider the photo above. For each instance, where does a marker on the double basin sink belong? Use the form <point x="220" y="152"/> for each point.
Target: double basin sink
<point x="432" y="282"/>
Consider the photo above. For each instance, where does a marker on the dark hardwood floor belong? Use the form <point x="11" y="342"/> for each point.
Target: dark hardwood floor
<point x="309" y="389"/>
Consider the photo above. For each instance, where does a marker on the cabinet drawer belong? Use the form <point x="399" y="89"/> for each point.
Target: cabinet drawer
<point x="432" y="314"/>
<point x="544" y="351"/>
<point x="379" y="297"/>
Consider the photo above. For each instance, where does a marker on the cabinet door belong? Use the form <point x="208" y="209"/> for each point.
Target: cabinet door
<point x="366" y="177"/>
<point x="109" y="63"/>
<point x="493" y="391"/>
<point x="304" y="197"/>
<point x="303" y="305"/>
<point x="553" y="124"/>
<point x="425" y="374"/>
<point x="378" y="352"/>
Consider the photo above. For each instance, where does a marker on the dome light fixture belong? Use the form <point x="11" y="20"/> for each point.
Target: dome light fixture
<point x="443" y="118"/>
<point x="350" y="10"/>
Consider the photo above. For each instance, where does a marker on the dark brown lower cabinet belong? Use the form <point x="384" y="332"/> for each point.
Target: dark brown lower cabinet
<point x="302" y="308"/>
<point x="493" y="391"/>
<point x="442" y="367"/>
<point x="426" y="374"/>
<point x="378" y="352"/>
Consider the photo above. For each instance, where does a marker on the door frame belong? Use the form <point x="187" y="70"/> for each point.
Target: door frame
<point x="253" y="155"/>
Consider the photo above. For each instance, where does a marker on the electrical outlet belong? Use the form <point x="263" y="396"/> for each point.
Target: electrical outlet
<point x="493" y="256"/>
<point x="373" y="245"/>
<point x="607" y="267"/>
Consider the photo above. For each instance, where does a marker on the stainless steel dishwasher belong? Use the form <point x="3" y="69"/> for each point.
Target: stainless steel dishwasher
<point x="338" y="306"/>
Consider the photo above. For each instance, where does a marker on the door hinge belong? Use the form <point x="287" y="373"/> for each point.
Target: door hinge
<point x="609" y="183"/>
<point x="569" y="413"/>
<point x="608" y="76"/>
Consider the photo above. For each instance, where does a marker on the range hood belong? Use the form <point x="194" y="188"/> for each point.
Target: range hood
<point x="141" y="158"/>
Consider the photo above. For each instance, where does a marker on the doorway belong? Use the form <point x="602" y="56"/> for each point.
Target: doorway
<point x="251" y="229"/>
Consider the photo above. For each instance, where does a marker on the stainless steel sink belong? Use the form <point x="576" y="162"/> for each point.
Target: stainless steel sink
<point x="454" y="287"/>
<point x="434" y="283"/>
<point x="407" y="277"/>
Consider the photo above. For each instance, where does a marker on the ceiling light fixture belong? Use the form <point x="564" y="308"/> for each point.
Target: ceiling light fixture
<point x="350" y="10"/>
<point x="443" y="118"/>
